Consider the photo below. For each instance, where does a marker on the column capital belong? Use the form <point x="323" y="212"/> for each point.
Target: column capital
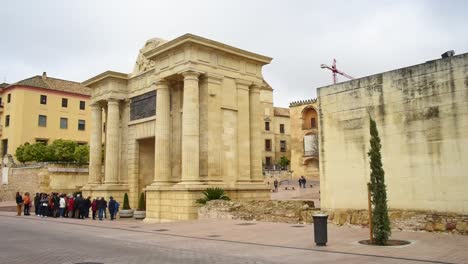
<point x="255" y="88"/>
<point x="213" y="78"/>
<point x="113" y="101"/>
<point x="243" y="84"/>
<point x="95" y="105"/>
<point x="190" y="74"/>
<point x="161" y="83"/>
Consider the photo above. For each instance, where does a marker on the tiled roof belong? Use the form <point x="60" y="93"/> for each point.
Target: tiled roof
<point x="3" y="85"/>
<point x="54" y="84"/>
<point x="279" y="111"/>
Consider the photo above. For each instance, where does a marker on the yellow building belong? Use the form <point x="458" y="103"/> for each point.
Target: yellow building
<point x="276" y="136"/>
<point x="43" y="109"/>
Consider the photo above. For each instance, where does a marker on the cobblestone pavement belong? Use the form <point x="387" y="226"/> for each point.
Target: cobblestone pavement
<point x="47" y="240"/>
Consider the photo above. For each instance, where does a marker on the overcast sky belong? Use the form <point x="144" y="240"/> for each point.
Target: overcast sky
<point x="76" y="40"/>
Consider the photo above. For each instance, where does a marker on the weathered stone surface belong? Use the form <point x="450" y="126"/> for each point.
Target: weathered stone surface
<point x="297" y="212"/>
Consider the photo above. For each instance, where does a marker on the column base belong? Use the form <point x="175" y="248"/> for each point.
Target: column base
<point x="178" y="202"/>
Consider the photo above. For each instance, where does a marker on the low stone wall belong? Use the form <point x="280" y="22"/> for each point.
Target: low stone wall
<point x="302" y="211"/>
<point x="44" y="177"/>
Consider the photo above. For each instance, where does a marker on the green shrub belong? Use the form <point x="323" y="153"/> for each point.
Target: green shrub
<point x="215" y="193"/>
<point x="284" y="162"/>
<point x="19" y="153"/>
<point x="126" y="204"/>
<point x="63" y="150"/>
<point x="81" y="154"/>
<point x="142" y="202"/>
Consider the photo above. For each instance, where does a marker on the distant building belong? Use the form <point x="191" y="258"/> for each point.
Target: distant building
<point x="43" y="109"/>
<point x="304" y="139"/>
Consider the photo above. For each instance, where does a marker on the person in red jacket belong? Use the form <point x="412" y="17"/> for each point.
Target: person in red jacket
<point x="71" y="207"/>
<point x="94" y="208"/>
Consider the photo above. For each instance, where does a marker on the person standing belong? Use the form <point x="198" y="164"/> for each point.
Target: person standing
<point x="101" y="204"/>
<point x="56" y="199"/>
<point x="303" y="181"/>
<point x="44" y="205"/>
<point x="94" y="208"/>
<point x="87" y="205"/>
<point x="111" y="207"/>
<point x="27" y="203"/>
<point x="71" y="207"/>
<point x="62" y="205"/>
<point x="79" y="203"/>
<point x="19" y="204"/>
<point x="37" y="204"/>
<point x="275" y="183"/>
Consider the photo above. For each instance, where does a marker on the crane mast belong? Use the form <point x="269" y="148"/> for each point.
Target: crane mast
<point x="335" y="71"/>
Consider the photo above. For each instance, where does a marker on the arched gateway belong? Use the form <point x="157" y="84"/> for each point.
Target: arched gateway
<point x="187" y="118"/>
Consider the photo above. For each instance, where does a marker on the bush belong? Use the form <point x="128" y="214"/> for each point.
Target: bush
<point x="284" y="162"/>
<point x="63" y="150"/>
<point x="142" y="202"/>
<point x="59" y="151"/>
<point x="126" y="204"/>
<point x="81" y="154"/>
<point x="213" y="194"/>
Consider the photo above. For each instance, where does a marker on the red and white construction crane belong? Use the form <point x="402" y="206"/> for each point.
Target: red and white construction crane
<point x="335" y="71"/>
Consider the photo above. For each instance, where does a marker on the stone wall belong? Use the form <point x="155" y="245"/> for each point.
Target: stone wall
<point x="422" y="117"/>
<point x="44" y="178"/>
<point x="301" y="212"/>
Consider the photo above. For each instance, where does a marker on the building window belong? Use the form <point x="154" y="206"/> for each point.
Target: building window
<point x="268" y="161"/>
<point x="4" y="147"/>
<point x="282" y="128"/>
<point x="82" y="105"/>
<point x="268" y="144"/>
<point x="7" y="120"/>
<point x="81" y="143"/>
<point x="64" y="102"/>
<point x="283" y="145"/>
<point x="42" y="120"/>
<point x="1" y="103"/>
<point x="63" y="123"/>
<point x="313" y="124"/>
<point x="43" y="141"/>
<point x="43" y="99"/>
<point x="8" y="98"/>
<point x="267" y="126"/>
<point x="81" y="125"/>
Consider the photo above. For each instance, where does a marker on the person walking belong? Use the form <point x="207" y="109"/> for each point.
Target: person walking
<point x="19" y="204"/>
<point x="94" y="208"/>
<point x="275" y="183"/>
<point x="303" y="181"/>
<point x="37" y="204"/>
<point x="111" y="207"/>
<point x="27" y="203"/>
<point x="62" y="205"/>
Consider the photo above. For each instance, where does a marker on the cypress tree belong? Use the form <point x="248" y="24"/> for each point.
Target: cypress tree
<point x="380" y="220"/>
<point x="126" y="204"/>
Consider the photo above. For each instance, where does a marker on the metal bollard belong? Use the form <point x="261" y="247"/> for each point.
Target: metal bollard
<point x="320" y="229"/>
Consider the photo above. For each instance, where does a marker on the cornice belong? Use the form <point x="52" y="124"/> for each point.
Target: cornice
<point x="105" y="75"/>
<point x="190" y="38"/>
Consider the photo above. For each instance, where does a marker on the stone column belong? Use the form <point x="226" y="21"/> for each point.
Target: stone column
<point x="95" y="145"/>
<point x="255" y="134"/>
<point x="112" y="142"/>
<point x="190" y="129"/>
<point x="243" y="127"/>
<point x="162" y="149"/>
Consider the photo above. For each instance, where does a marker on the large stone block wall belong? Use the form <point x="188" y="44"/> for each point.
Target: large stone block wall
<point x="44" y="178"/>
<point x="422" y="117"/>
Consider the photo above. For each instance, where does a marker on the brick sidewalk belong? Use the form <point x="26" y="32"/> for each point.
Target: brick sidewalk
<point x="425" y="247"/>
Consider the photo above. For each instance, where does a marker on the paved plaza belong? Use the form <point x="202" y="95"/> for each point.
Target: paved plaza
<point x="47" y="240"/>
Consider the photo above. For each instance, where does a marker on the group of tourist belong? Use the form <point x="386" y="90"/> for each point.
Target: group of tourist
<point x="302" y="182"/>
<point x="62" y="205"/>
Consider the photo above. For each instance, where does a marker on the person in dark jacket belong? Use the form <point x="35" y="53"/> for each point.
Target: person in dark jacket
<point x="101" y="204"/>
<point x="87" y="205"/>
<point x="44" y="205"/>
<point x="94" y="208"/>
<point x="37" y="203"/>
<point x="56" y="202"/>
<point x="112" y="208"/>
<point x="79" y="204"/>
<point x="19" y="203"/>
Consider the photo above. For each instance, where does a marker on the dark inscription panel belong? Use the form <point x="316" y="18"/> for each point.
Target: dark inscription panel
<point x="143" y="106"/>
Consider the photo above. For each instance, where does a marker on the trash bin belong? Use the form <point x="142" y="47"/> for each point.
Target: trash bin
<point x="320" y="229"/>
